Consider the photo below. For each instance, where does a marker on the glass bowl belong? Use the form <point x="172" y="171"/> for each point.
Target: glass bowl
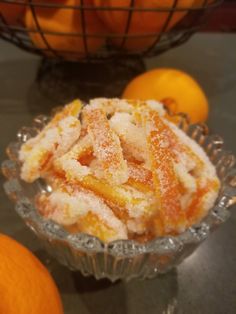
<point x="122" y="259"/>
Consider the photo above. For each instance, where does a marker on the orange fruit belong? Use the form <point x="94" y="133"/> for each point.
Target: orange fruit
<point x="61" y="20"/>
<point x="26" y="286"/>
<point x="11" y="12"/>
<point x="142" y="22"/>
<point x="176" y="89"/>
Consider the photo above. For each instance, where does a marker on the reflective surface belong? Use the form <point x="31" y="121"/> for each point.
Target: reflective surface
<point x="205" y="282"/>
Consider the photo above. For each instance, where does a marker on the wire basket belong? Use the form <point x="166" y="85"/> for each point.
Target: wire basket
<point x="93" y="29"/>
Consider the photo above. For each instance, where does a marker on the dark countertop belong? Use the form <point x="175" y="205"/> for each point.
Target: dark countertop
<point x="206" y="281"/>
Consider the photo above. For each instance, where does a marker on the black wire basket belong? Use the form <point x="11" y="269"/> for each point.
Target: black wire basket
<point x="81" y="30"/>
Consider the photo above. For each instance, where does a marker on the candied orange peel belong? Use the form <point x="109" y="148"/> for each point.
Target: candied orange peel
<point x="120" y="169"/>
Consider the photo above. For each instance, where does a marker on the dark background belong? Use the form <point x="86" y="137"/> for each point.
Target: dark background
<point x="224" y="18"/>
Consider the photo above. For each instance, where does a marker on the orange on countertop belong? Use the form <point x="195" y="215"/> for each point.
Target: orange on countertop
<point x="12" y="13"/>
<point x="26" y="287"/>
<point x="176" y="89"/>
<point x="61" y="20"/>
<point x="142" y="22"/>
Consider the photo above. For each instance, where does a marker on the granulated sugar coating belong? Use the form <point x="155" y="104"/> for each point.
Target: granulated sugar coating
<point x="120" y="169"/>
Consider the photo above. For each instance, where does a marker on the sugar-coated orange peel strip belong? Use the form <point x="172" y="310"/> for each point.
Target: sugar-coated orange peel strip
<point x="85" y="220"/>
<point x="195" y="211"/>
<point x="39" y="151"/>
<point x="82" y="152"/>
<point x="165" y="181"/>
<point x="110" y="106"/>
<point x="94" y="225"/>
<point x="106" y="146"/>
<point x="81" y="149"/>
<point x="115" y="195"/>
<point x="140" y="177"/>
<point x="180" y="148"/>
<point x="72" y="109"/>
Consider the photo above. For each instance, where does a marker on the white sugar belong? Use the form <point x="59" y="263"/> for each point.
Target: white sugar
<point x="197" y="149"/>
<point x="133" y="137"/>
<point x="157" y="106"/>
<point x="74" y="170"/>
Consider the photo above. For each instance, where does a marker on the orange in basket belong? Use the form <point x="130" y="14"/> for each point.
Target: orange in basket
<point x="68" y="24"/>
<point x="11" y="13"/>
<point x="25" y="284"/>
<point x="142" y="22"/>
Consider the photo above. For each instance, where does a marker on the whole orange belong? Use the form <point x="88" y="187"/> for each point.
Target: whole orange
<point x="142" y="22"/>
<point x="11" y="13"/>
<point x="173" y="87"/>
<point x="26" y="287"/>
<point x="67" y="23"/>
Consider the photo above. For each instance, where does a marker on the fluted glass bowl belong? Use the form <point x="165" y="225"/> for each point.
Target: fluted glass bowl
<point x="122" y="259"/>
